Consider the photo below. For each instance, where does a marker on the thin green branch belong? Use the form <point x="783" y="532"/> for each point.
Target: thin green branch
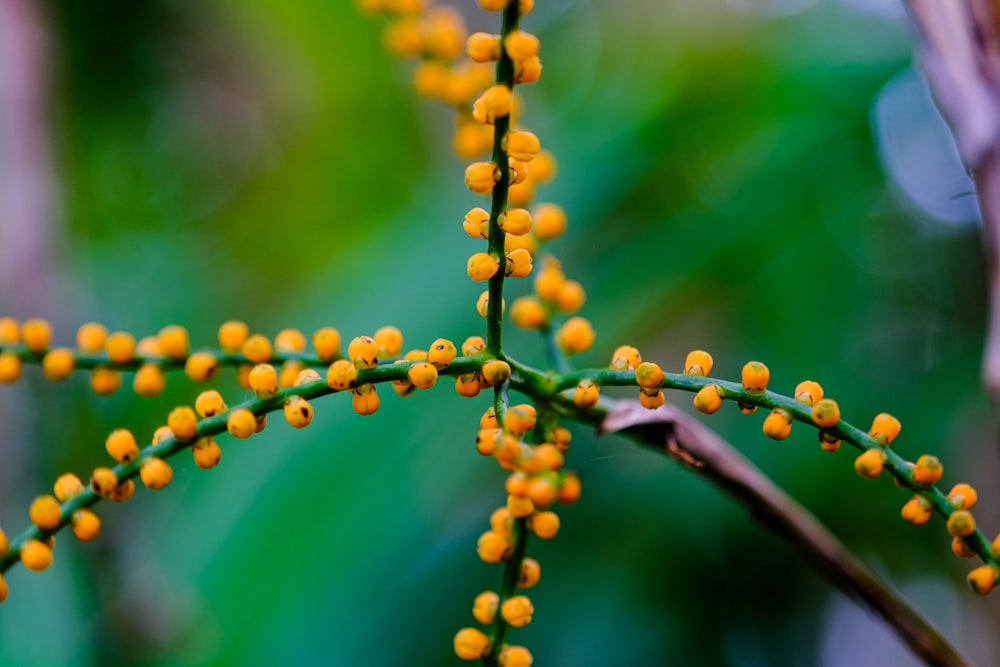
<point x="511" y="576"/>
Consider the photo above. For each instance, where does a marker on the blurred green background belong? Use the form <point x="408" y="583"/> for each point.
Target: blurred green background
<point x="759" y="178"/>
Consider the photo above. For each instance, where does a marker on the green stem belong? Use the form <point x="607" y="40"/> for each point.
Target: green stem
<point x="511" y="575"/>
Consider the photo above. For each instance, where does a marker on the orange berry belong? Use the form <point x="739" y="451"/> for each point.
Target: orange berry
<point x="544" y="524"/>
<point x="122" y="492"/>
<point x="486" y="440"/>
<point x="263" y="380"/>
<point x="241" y="423"/>
<point x="257" y="349"/>
<point x="493" y="5"/>
<point x="467" y="385"/>
<point x="471" y="644"/>
<point x="36" y="334"/>
<point x="35" y="555"/>
<point x="625" y="357"/>
<point x="528" y="313"/>
<point x="480" y="177"/>
<point x="484" y="607"/>
<point x="365" y="400"/>
<point x="826" y="413"/>
<point x="520" y="45"/>
<point x="961" y="523"/>
<point x="576" y="335"/>
<point x="708" y="400"/>
<point x="289" y="340"/>
<point x="778" y="424"/>
<point x="493" y="547"/>
<point x="477" y="223"/>
<point x="520" y="419"/>
<point x="90" y="337"/>
<point x="161" y="433"/>
<point x="543" y="167"/>
<point x="869" y="464"/>
<point x="531" y="573"/>
<point x="548" y="282"/>
<point x="422" y="375"/>
<point x="232" y="335"/>
<point x="441" y="353"/>
<point x="515" y="656"/>
<point x="501" y="522"/>
<point x="148" y="346"/>
<point x="121" y="445"/>
<point x="45" y="512"/>
<point x="10" y="331"/>
<point x="543" y="490"/>
<point x="326" y="342"/>
<point x="105" y="381"/>
<point x="149" y="380"/>
<point x="4" y="589"/>
<point x="183" y="422"/>
<point x="483" y="47"/>
<point x="206" y="453"/>
<point x="390" y="342"/>
<point x="962" y="496"/>
<point x="550" y="456"/>
<point x="85" y="524"/>
<point x="10" y="367"/>
<point x="495" y="372"/>
<point x="155" y="473"/>
<point x="808" y="392"/>
<point x="363" y="351"/>
<point x="884" y="428"/>
<point x="828" y="443"/>
<point x="569" y="489"/>
<point x="495" y="102"/>
<point x="698" y="363"/>
<point x="648" y="375"/>
<point x="103" y="481"/>
<point x="549" y="221"/>
<point x="587" y="394"/>
<point x="173" y="341"/>
<point x="472" y="345"/>
<point x="927" y="470"/>
<point x="201" y="366"/>
<point x="983" y="579"/>
<point x="67" y="486"/>
<point x="482" y="266"/>
<point x="120" y="347"/>
<point x="58" y="364"/>
<point x="524" y="146"/>
<point x="516" y="221"/>
<point x="517" y="610"/>
<point x="960" y="548"/>
<point x="571" y="297"/>
<point x="755" y="376"/>
<point x="209" y="403"/>
<point x="651" y="401"/>
<point x="519" y="506"/>
<point x="298" y="412"/>
<point x="341" y="375"/>
<point x="528" y="70"/>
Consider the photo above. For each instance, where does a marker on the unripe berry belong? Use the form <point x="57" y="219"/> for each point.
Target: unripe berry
<point x="232" y="335"/>
<point x="155" y="473"/>
<point x="961" y="523"/>
<point x="482" y="266"/>
<point x="826" y="413"/>
<point x="471" y="644"/>
<point x="708" y="400"/>
<point x="121" y="446"/>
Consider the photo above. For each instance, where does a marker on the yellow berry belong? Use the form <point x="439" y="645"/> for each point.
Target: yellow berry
<point x="298" y="412"/>
<point x="519" y="506"/>
<point x="698" y="363"/>
<point x="207" y="453"/>
<point x="543" y="490"/>
<point x="927" y="470"/>
<point x="103" y="481"/>
<point x="480" y="177"/>
<point x="549" y="221"/>
<point x="183" y="422"/>
<point x="571" y="297"/>
<point x="482" y="266"/>
<point x="869" y="464"/>
<point x="241" y="423"/>
<point x="516" y="221"/>
<point x="290" y="340"/>
<point x="493" y="5"/>
<point x="569" y="489"/>
<point x="121" y="445"/>
<point x="209" y="403"/>
<point x="35" y="555"/>
<point x="363" y="352"/>
<point x="518" y="263"/>
<point x="4" y="589"/>
<point x="493" y="547"/>
<point x="651" y="401"/>
<point x="390" y="342"/>
<point x="828" y="443"/>
<point x="484" y="607"/>
<point x="122" y="492"/>
<point x="983" y="579"/>
<point x="517" y="610"/>
<point x="544" y="524"/>
<point x="495" y="372"/>
<point x="148" y="347"/>
<point x="173" y="341"/>
<point x="778" y="424"/>
<point x="960" y="548"/>
<point x="365" y="400"/>
<point x="441" y="353"/>
<point x="105" y="381"/>
<point x="531" y="573"/>
<point x="808" y="392"/>
<point x="486" y="440"/>
<point x="67" y="486"/>
<point x="549" y="282"/>
<point x="468" y="385"/>
<point x="341" y="375"/>
<point x="201" y="366"/>
<point x="257" y="349"/>
<point x="45" y="512"/>
<point x="10" y="367"/>
<point x="648" y="375"/>
<point x="155" y="473"/>
<point x="472" y="140"/>
<point x="576" y="335"/>
<point x="501" y="522"/>
<point x="755" y="376"/>
<point x="483" y="47"/>
<point x="422" y="375"/>
<point x="515" y="656"/>
<point x="85" y="524"/>
<point x="120" y="347"/>
<point x="90" y="337"/>
<point x="326" y="342"/>
<point x="263" y="380"/>
<point x="961" y="523"/>
<point x="495" y="102"/>
<point x="884" y="428"/>
<point x="524" y="146"/>
<point x="471" y="644"/>
<point x="520" y="45"/>
<point x="476" y="223"/>
<point x="528" y="313"/>
<point x="520" y="419"/>
<point x="10" y="331"/>
<point x="149" y="380"/>
<point x="58" y="364"/>
<point x="162" y="433"/>
<point x="587" y="394"/>
<point x="962" y="496"/>
<point x="36" y="334"/>
<point x="826" y="413"/>
<point x="232" y="335"/>
<point x="625" y="357"/>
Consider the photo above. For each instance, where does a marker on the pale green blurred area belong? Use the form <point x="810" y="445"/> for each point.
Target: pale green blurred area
<point x="267" y="161"/>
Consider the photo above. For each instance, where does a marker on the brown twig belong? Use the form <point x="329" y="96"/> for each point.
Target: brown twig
<point x="700" y="449"/>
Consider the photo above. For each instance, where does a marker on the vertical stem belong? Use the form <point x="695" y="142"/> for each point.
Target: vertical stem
<point x="511" y="575"/>
<point x="505" y="76"/>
